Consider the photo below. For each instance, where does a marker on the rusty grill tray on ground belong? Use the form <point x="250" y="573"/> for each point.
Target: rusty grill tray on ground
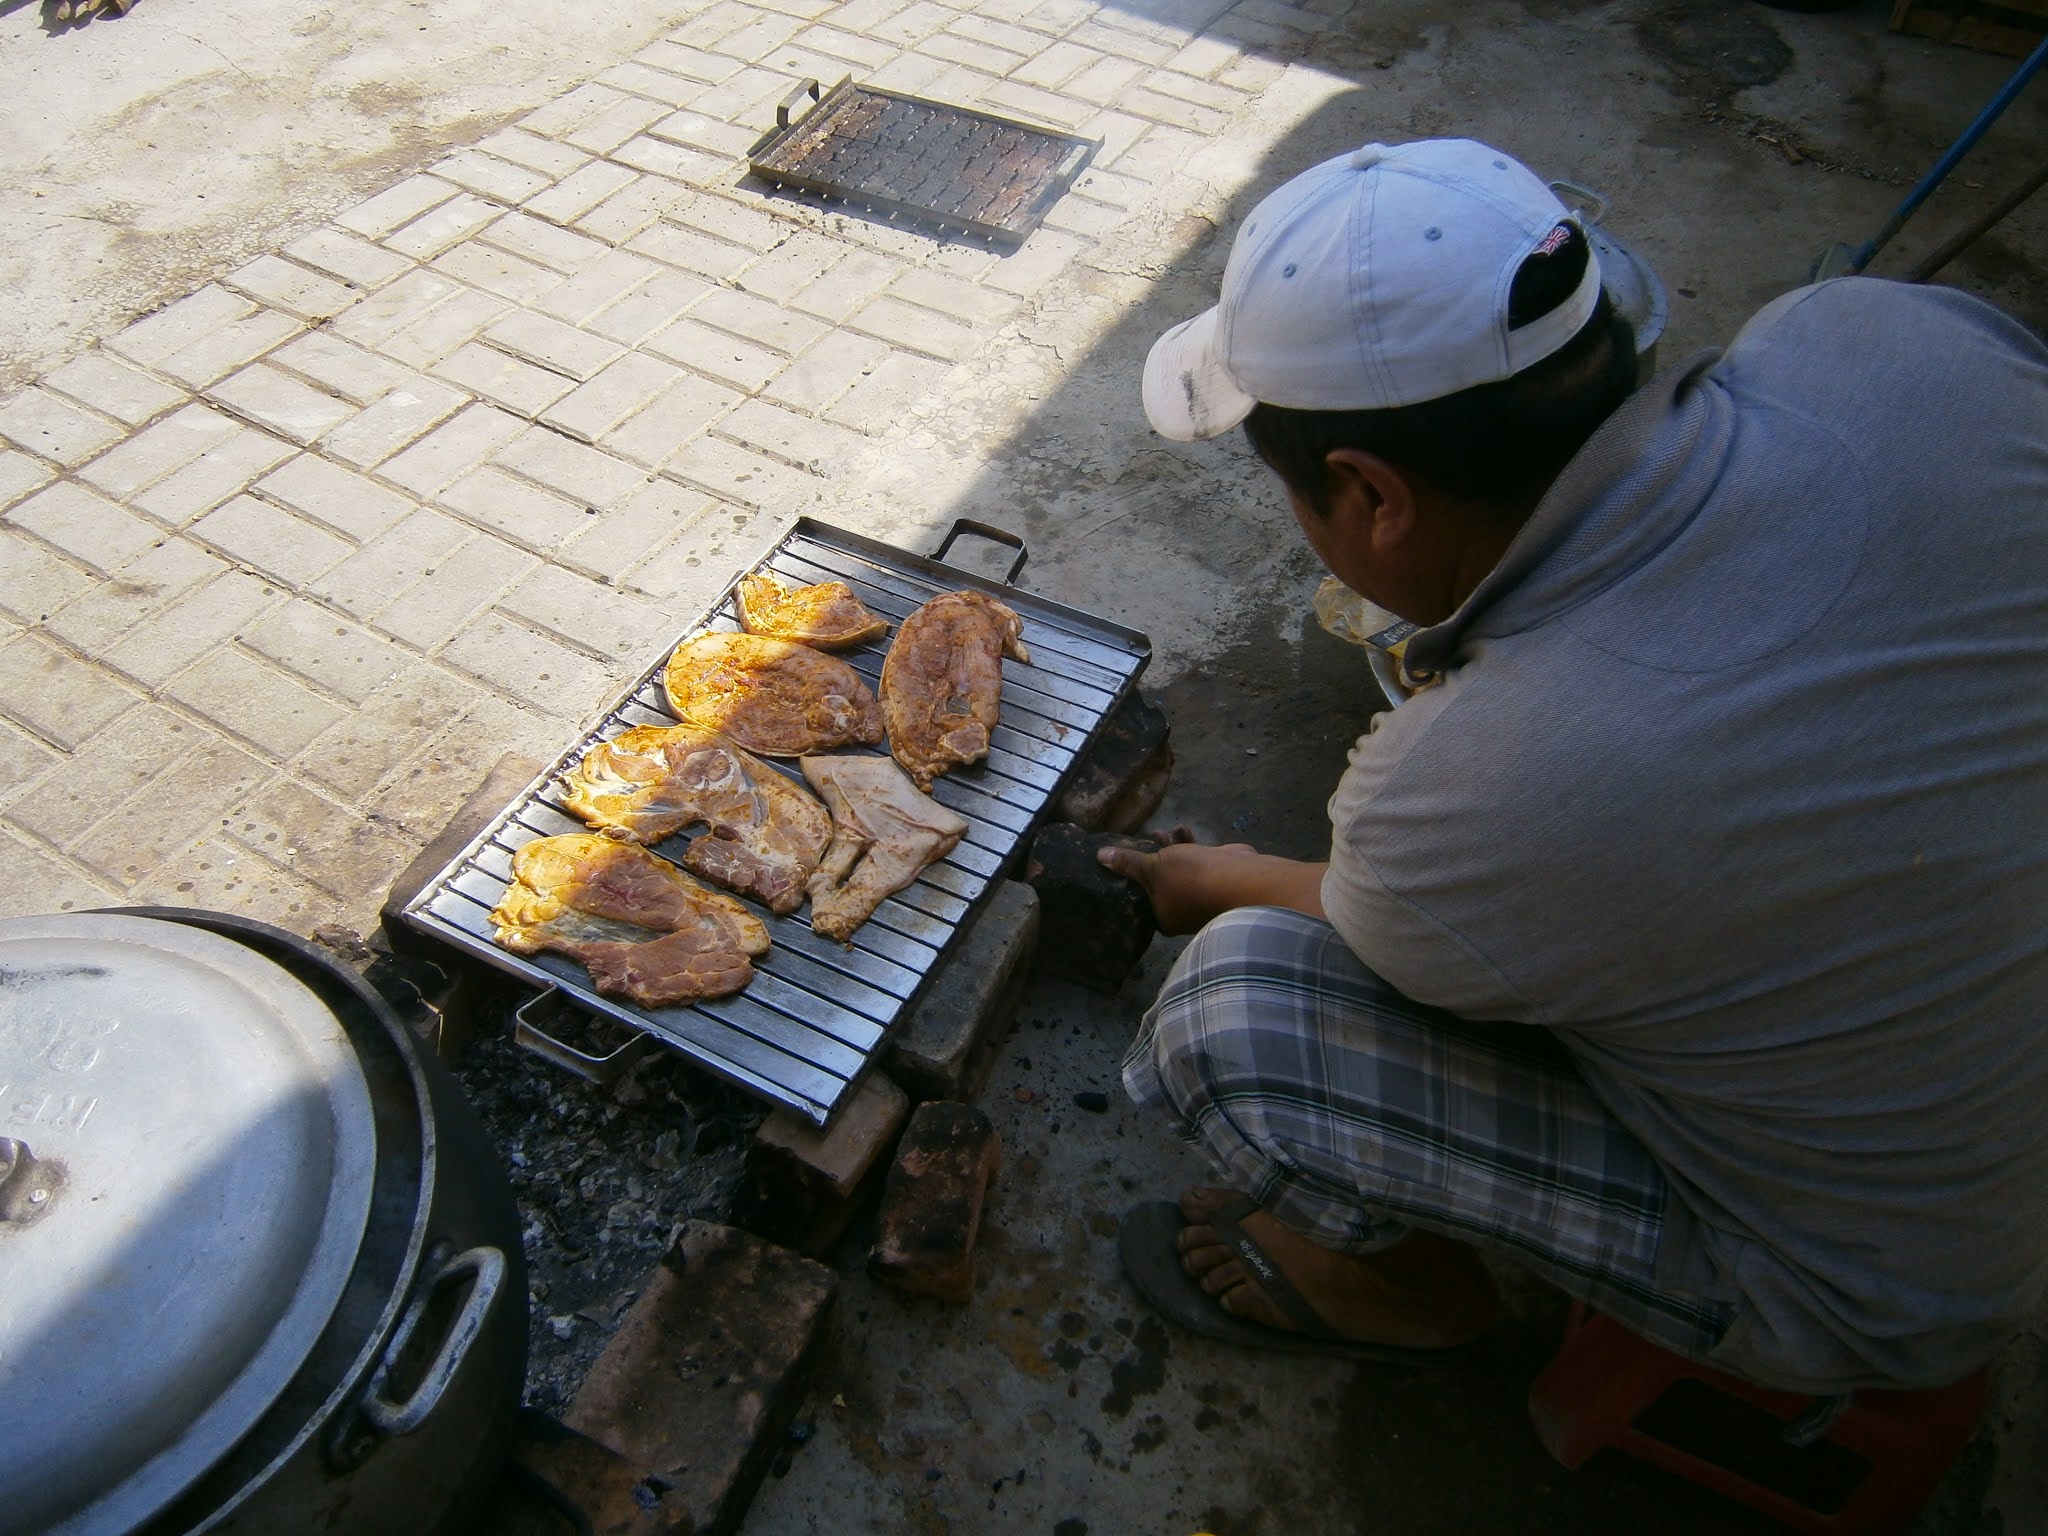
<point x="817" y="1011"/>
<point x="948" y="166"/>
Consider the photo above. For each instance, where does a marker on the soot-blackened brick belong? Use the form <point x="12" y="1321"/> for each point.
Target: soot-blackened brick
<point x="701" y="1380"/>
<point x="614" y="1495"/>
<point x="946" y="1046"/>
<point x="932" y="1201"/>
<point x="802" y="1185"/>
<point x="1123" y="775"/>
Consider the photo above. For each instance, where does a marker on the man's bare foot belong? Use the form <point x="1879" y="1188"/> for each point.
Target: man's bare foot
<point x="1425" y="1292"/>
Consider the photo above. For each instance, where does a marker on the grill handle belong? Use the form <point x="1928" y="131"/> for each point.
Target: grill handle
<point x="994" y="535"/>
<point x="806" y="88"/>
<point x="529" y="1032"/>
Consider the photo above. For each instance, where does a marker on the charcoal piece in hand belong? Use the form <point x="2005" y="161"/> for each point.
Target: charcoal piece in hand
<point x="1093" y="923"/>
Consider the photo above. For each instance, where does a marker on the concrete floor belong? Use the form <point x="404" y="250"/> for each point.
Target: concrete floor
<point x="140" y="157"/>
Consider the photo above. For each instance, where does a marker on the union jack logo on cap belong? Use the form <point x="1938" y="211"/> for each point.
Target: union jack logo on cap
<point x="1554" y="241"/>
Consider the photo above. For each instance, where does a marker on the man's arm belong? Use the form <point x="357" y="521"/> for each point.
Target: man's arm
<point x="1190" y="883"/>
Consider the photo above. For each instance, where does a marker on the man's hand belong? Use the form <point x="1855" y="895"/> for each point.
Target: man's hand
<point x="1189" y="882"/>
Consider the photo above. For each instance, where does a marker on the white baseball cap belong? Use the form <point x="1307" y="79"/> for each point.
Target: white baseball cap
<point x="1376" y="279"/>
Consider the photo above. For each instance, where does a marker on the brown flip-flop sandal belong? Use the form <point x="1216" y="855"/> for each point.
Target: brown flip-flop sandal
<point x="1148" y="1244"/>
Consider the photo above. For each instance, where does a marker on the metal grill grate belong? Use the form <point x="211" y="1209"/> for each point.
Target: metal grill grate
<point x="938" y="164"/>
<point x="817" y="1011"/>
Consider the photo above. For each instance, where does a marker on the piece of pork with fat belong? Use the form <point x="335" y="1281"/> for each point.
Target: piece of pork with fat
<point x="766" y="834"/>
<point x="646" y="931"/>
<point x="942" y="681"/>
<point x="884" y="832"/>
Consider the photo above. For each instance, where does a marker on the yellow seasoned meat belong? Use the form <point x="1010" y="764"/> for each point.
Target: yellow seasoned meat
<point x="825" y="614"/>
<point x="646" y="931"/>
<point x="771" y="696"/>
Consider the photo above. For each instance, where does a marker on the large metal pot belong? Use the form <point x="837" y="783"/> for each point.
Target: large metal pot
<point x="272" y="1279"/>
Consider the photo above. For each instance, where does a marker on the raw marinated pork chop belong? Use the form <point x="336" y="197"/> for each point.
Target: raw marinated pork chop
<point x="825" y="614"/>
<point x="942" y="683"/>
<point x="766" y="834"/>
<point x="771" y="696"/>
<point x="647" y="931"/>
<point x="883" y="832"/>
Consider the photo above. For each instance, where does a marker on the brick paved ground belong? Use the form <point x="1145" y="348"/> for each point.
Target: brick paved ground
<point x="285" y="565"/>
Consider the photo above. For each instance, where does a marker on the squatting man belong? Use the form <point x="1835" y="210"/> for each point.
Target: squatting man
<point x="1686" y="937"/>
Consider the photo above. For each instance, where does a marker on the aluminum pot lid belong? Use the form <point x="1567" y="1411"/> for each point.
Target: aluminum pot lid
<point x="184" y="1184"/>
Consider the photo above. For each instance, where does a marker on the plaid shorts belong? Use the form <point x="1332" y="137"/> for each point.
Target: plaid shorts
<point x="1350" y="1113"/>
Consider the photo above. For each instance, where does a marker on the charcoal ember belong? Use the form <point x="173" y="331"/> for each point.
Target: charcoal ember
<point x="1093" y="924"/>
<point x="665" y="1156"/>
<point x="602" y="1187"/>
<point x="1122" y="777"/>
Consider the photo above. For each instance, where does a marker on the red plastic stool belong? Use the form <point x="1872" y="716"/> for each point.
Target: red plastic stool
<point x="1866" y="1471"/>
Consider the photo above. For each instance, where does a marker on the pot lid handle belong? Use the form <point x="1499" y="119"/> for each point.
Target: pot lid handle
<point x="1592" y="206"/>
<point x="28" y="1184"/>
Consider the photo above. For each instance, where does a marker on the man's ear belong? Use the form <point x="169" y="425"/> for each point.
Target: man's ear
<point x="1373" y="497"/>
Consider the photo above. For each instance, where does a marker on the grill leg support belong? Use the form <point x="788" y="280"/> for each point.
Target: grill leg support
<point x="1122" y="777"/>
<point x="802" y="1185"/>
<point x="945" y="1049"/>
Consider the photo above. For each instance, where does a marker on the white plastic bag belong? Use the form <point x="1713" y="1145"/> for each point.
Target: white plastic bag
<point x="1350" y="617"/>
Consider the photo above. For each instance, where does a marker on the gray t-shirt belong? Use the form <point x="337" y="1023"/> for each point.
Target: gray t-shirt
<point x="1737" y="779"/>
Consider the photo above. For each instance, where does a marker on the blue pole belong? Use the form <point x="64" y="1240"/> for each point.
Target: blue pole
<point x="1962" y="146"/>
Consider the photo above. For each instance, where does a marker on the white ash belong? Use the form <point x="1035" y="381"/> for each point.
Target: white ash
<point x="604" y="1178"/>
